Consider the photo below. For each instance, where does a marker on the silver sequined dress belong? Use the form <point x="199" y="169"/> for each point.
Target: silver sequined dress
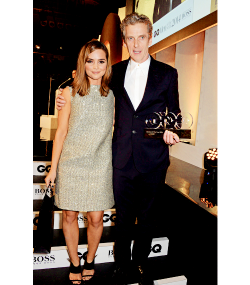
<point x="84" y="172"/>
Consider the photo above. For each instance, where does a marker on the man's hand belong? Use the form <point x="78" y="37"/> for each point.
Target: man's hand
<point x="170" y="138"/>
<point x="60" y="101"/>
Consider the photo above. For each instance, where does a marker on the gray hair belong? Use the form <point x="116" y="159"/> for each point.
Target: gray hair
<point x="135" y="18"/>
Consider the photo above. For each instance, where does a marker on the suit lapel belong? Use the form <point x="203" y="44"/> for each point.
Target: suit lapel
<point x="121" y="78"/>
<point x="122" y="71"/>
<point x="152" y="83"/>
<point x="154" y="75"/>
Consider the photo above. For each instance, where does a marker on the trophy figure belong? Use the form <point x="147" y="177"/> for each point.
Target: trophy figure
<point x="157" y="123"/>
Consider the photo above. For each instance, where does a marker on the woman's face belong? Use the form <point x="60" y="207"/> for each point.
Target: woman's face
<point x="95" y="66"/>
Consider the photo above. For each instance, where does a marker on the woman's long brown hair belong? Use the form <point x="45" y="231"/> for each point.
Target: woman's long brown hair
<point x="81" y="83"/>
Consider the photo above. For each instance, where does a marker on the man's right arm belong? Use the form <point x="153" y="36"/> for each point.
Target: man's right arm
<point x="60" y="100"/>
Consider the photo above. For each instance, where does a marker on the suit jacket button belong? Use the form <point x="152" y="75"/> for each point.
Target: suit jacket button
<point x="134" y="132"/>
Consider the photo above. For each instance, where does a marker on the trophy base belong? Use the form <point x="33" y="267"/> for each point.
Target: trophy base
<point x="158" y="133"/>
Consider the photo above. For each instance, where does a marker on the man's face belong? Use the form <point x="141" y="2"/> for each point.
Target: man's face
<point x="137" y="41"/>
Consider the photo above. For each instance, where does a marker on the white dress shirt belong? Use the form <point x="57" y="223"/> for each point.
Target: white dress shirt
<point x="135" y="80"/>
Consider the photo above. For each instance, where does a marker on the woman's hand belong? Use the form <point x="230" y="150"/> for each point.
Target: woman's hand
<point x="50" y="178"/>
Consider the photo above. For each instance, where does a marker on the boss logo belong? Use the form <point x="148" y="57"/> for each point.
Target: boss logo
<point x="156" y="33"/>
<point x="111" y="253"/>
<point x="82" y="219"/>
<point x="41" y="191"/>
<point x="45" y="258"/>
<point x="107" y="217"/>
<point x="156" y="248"/>
<point x="43" y="168"/>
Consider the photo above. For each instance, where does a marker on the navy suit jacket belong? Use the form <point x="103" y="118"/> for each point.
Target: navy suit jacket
<point x="128" y="138"/>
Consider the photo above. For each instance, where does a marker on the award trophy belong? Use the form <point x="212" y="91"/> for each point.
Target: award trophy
<point x="157" y="123"/>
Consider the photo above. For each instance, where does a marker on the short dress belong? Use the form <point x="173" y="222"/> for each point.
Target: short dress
<point x="84" y="171"/>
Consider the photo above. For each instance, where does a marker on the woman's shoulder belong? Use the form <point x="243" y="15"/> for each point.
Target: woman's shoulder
<point x="110" y="92"/>
<point x="67" y="92"/>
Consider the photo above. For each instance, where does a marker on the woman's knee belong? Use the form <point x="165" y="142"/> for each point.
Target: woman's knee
<point x="95" y="219"/>
<point x="70" y="216"/>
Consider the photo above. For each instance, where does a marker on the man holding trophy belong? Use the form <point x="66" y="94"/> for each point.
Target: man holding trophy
<point x="142" y="86"/>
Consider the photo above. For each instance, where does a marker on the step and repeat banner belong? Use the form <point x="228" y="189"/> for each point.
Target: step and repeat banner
<point x="108" y="219"/>
<point x="59" y="255"/>
<point x="178" y="280"/>
<point x="41" y="168"/>
<point x="39" y="190"/>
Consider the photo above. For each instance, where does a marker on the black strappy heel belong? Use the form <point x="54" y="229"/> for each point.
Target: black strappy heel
<point x="88" y="266"/>
<point x="75" y="270"/>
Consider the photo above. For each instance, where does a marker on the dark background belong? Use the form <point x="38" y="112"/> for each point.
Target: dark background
<point x="60" y="29"/>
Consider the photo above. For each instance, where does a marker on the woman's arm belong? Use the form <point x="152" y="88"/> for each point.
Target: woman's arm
<point x="61" y="133"/>
<point x="114" y="113"/>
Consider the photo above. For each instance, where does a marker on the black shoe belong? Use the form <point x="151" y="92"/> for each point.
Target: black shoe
<point x="88" y="266"/>
<point x="75" y="270"/>
<point x="119" y="277"/>
<point x="144" y="277"/>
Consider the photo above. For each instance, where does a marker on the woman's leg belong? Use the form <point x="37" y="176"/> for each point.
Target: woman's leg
<point x="71" y="234"/>
<point x="94" y="233"/>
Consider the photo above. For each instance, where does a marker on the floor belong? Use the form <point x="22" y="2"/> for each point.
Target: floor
<point x="192" y="234"/>
<point x="157" y="265"/>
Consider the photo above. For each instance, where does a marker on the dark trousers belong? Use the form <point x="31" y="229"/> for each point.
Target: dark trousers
<point x="135" y="195"/>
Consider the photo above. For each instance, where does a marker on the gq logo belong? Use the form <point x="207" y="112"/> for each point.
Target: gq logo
<point x="82" y="255"/>
<point x="35" y="221"/>
<point x="107" y="217"/>
<point x="156" y="33"/>
<point x="156" y="248"/>
<point x="43" y="168"/>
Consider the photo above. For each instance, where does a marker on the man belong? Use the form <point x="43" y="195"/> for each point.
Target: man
<point x="141" y="86"/>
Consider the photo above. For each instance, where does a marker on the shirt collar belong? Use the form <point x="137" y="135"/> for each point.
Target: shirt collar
<point x="143" y="66"/>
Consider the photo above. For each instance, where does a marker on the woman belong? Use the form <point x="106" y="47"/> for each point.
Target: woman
<point x="82" y="155"/>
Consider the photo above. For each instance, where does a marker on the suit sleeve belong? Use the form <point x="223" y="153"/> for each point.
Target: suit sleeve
<point x="173" y="94"/>
<point x="113" y="75"/>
